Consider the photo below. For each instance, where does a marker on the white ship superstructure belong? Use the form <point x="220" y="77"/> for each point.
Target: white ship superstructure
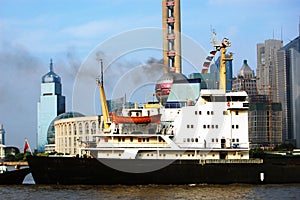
<point x="215" y="126"/>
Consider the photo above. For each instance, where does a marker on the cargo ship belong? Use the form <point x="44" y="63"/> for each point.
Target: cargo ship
<point x="195" y="136"/>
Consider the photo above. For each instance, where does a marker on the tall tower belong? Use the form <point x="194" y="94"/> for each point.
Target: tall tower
<point x="51" y="104"/>
<point x="2" y="134"/>
<point x="171" y="35"/>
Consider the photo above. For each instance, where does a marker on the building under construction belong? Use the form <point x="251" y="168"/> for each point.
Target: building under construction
<point x="265" y="122"/>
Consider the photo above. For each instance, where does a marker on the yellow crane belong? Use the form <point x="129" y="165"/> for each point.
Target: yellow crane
<point x="104" y="107"/>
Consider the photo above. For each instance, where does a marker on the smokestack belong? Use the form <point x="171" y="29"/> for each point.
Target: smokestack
<point x="171" y="35"/>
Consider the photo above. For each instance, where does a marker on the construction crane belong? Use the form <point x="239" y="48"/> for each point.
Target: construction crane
<point x="104" y="106"/>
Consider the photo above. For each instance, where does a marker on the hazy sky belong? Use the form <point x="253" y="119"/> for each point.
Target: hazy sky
<point x="33" y="31"/>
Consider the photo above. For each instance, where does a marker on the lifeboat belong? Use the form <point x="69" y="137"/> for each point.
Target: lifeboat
<point x="136" y="119"/>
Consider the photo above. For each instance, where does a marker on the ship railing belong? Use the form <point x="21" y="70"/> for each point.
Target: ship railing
<point x="231" y="161"/>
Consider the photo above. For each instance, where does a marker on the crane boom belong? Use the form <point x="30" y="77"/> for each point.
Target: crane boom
<point x="104" y="106"/>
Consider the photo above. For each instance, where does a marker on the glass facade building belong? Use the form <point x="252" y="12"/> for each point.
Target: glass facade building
<point x="51" y="104"/>
<point x="288" y="64"/>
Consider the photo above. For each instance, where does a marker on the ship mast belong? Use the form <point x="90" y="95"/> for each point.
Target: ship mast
<point x="222" y="48"/>
<point x="223" y="59"/>
<point x="104" y="106"/>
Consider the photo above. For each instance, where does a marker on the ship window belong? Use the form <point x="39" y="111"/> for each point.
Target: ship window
<point x="189" y="155"/>
<point x="212" y="112"/>
<point x="196" y="140"/>
<point x="237" y="140"/>
<point x="196" y="112"/>
<point x="147" y="139"/>
<point x="184" y="140"/>
<point x="143" y="139"/>
<point x="119" y="154"/>
<point x="224" y="112"/>
<point x="236" y="126"/>
<point x="204" y="126"/>
<point x="236" y="112"/>
<point x="131" y="139"/>
<point x="217" y="126"/>
<point x="213" y="140"/>
<point x="119" y="139"/>
<point x="188" y="126"/>
<point x="213" y="155"/>
<point x="192" y="140"/>
<point x="232" y="126"/>
<point x="188" y="140"/>
<point x="242" y="155"/>
<point x="123" y="139"/>
<point x="208" y="112"/>
<point x="200" y="112"/>
<point x="151" y="154"/>
<point x="208" y="126"/>
<point x="233" y="140"/>
<point x="176" y="155"/>
<point x="212" y="126"/>
<point x="216" y="139"/>
<point x="192" y="126"/>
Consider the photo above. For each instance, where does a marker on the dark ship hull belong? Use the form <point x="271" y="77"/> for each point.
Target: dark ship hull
<point x="14" y="177"/>
<point x="68" y="170"/>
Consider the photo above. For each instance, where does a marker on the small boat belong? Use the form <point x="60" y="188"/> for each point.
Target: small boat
<point x="136" y="119"/>
<point x="12" y="177"/>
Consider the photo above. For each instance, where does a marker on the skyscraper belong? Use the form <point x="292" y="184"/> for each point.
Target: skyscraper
<point x="266" y="68"/>
<point x="289" y="89"/>
<point x="51" y="104"/>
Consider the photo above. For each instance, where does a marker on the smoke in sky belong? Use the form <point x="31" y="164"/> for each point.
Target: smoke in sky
<point x="21" y="74"/>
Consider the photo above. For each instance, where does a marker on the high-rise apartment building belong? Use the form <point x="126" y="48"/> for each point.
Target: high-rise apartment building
<point x="51" y="104"/>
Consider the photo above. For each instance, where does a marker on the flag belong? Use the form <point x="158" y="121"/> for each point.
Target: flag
<point x="209" y="58"/>
<point x="26" y="147"/>
<point x="206" y="64"/>
<point x="204" y="71"/>
<point x="213" y="52"/>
